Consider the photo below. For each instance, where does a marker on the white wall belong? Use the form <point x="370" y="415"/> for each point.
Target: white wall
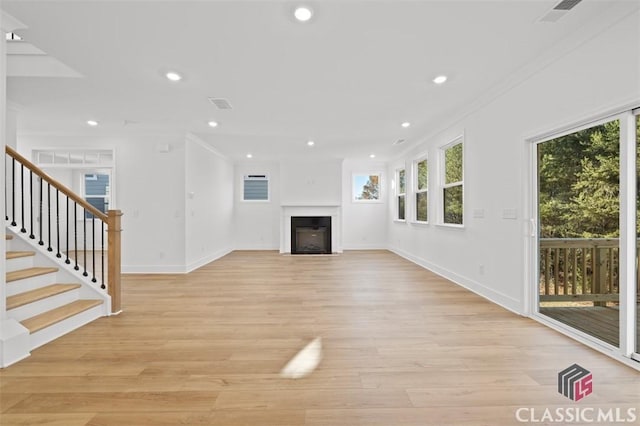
<point x="150" y="191"/>
<point x="364" y="225"/>
<point x="311" y="182"/>
<point x="257" y="223"/>
<point x="585" y="81"/>
<point x="11" y="128"/>
<point x="209" y="204"/>
<point x="3" y="140"/>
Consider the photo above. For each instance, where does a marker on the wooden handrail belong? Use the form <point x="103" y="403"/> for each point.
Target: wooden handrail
<point x="66" y="191"/>
<point x="580" y="242"/>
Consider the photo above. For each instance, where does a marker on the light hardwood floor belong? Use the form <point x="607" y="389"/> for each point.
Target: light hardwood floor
<point x="401" y="346"/>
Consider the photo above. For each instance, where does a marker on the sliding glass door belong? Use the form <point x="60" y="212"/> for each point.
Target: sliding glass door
<point x="587" y="200"/>
<point x="578" y="202"/>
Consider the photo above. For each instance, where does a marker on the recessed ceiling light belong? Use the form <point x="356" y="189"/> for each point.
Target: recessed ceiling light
<point x="303" y="13"/>
<point x="372" y="156"/>
<point x="440" y="79"/>
<point x="311" y="143"/>
<point x="406" y="124"/>
<point x="92" y="123"/>
<point x="249" y="156"/>
<point x="213" y="124"/>
<point x="173" y="76"/>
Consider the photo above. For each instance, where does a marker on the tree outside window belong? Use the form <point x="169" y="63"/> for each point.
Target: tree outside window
<point x="366" y="187"/>
<point x="400" y="194"/>
<point x="452" y="189"/>
<point x="421" y="190"/>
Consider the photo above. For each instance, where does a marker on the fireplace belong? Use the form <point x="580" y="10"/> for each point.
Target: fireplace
<point x="310" y="234"/>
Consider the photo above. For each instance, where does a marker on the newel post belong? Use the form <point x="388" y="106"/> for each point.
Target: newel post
<point x="114" y="231"/>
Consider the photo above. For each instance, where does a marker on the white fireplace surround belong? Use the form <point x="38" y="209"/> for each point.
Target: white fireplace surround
<point x="289" y="210"/>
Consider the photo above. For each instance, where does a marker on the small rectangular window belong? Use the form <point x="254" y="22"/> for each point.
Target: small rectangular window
<point x="255" y="188"/>
<point x="421" y="173"/>
<point x="452" y="184"/>
<point x="366" y="187"/>
<point x="97" y="191"/>
<point x="400" y="194"/>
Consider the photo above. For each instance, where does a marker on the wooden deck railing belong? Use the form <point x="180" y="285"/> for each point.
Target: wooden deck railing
<point x="54" y="216"/>
<point x="579" y="269"/>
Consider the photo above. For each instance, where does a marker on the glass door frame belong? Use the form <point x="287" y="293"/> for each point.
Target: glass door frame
<point x="627" y="116"/>
<point x="628" y="208"/>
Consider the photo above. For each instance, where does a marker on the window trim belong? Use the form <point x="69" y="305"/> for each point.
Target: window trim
<point x="460" y="139"/>
<point x="268" y="179"/>
<point x="380" y="188"/>
<point x="398" y="194"/>
<point x="416" y="190"/>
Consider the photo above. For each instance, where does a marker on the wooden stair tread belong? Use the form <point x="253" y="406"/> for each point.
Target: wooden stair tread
<point x="27" y="297"/>
<point x="8" y="237"/>
<point x="17" y="254"/>
<point x="28" y="273"/>
<point x="54" y="316"/>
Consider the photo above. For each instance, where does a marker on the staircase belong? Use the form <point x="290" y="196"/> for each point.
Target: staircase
<point x="44" y="298"/>
<point x="62" y="260"/>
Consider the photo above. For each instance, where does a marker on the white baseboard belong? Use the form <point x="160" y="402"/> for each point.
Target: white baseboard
<point x="207" y="259"/>
<point x="175" y="269"/>
<point x="364" y="247"/>
<point x="507" y="302"/>
<point x="266" y="247"/>
<point x="153" y="269"/>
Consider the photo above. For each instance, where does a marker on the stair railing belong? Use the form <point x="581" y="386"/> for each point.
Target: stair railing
<point x="66" y="224"/>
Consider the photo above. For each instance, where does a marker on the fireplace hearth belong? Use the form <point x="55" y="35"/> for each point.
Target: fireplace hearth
<point x="311" y="235"/>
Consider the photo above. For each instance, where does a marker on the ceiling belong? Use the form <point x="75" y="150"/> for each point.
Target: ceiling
<point x="347" y="79"/>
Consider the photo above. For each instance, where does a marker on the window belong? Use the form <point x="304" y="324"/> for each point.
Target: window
<point x="421" y="183"/>
<point x="96" y="191"/>
<point x="452" y="183"/>
<point x="67" y="158"/>
<point x="255" y="188"/>
<point x="366" y="187"/>
<point x="400" y="193"/>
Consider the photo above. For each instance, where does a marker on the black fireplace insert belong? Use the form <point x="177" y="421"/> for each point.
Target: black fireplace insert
<point x="311" y="235"/>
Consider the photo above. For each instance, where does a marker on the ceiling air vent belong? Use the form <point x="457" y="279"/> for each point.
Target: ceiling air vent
<point x="566" y="4"/>
<point x="12" y="37"/>
<point x="560" y="10"/>
<point x="221" y="103"/>
<point x="398" y="142"/>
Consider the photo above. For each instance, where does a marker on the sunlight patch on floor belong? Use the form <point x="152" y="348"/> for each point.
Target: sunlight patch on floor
<point x="304" y="362"/>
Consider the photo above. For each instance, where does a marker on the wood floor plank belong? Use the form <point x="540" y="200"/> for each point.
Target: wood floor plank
<point x="197" y="418"/>
<point x="401" y="346"/>
<point x="80" y="419"/>
<point x="93" y="402"/>
<point x="287" y="417"/>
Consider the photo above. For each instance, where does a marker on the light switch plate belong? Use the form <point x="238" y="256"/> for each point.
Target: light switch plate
<point x="509" y="213"/>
